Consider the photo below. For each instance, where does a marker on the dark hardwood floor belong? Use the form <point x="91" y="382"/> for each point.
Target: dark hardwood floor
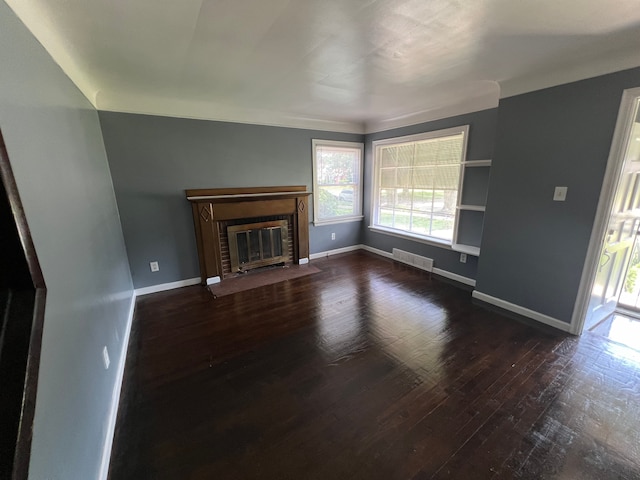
<point x="368" y="370"/>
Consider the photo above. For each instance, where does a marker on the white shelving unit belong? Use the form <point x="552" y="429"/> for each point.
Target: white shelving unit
<point x="477" y="163"/>
<point x="470" y="218"/>
<point x="468" y="249"/>
<point x="472" y="208"/>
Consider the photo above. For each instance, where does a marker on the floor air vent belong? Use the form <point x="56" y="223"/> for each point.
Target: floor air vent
<point x="414" y="260"/>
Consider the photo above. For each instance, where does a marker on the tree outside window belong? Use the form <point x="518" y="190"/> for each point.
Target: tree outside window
<point x="337" y="181"/>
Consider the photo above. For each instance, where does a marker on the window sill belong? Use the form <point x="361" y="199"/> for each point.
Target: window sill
<point x="415" y="238"/>
<point x="332" y="221"/>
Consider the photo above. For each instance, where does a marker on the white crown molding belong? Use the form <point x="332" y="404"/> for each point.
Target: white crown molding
<point x="198" y="110"/>
<point x="470" y="105"/>
<point x="42" y="29"/>
<point x="572" y="73"/>
<point x="148" y="105"/>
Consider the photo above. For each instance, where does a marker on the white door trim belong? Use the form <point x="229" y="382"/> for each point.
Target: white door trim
<point x="607" y="193"/>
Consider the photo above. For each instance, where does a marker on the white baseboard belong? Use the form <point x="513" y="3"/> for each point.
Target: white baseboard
<point x="382" y="253"/>
<point x="167" y="286"/>
<point x="437" y="271"/>
<point x="115" y="396"/>
<point x="351" y="248"/>
<point x="117" y="388"/>
<point x="213" y="280"/>
<point x="525" y="312"/>
<point x="336" y="251"/>
<point x="454" y="276"/>
<point x="303" y="261"/>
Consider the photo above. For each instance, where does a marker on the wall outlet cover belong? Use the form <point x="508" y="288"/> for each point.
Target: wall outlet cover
<point x="154" y="266"/>
<point x="463" y="258"/>
<point x="560" y="194"/>
<point x="105" y="358"/>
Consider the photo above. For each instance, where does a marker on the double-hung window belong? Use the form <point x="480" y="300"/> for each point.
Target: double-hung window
<point x="417" y="180"/>
<point x="337" y="181"/>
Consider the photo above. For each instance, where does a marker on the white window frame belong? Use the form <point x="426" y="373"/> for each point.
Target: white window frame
<point x="357" y="216"/>
<point x="464" y="129"/>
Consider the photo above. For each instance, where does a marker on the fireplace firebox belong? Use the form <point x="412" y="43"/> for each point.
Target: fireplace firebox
<point x="256" y="245"/>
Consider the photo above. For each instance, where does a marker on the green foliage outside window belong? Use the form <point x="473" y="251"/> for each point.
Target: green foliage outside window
<point x="337" y="169"/>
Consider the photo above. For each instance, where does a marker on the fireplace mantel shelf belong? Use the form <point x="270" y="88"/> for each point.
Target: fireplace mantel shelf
<point x="214" y="207"/>
<point x="247" y="196"/>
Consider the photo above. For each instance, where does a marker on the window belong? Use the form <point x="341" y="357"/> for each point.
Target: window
<point x="337" y="173"/>
<point x="417" y="183"/>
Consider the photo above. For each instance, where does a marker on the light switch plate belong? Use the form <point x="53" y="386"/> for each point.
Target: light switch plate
<point x="105" y="358"/>
<point x="560" y="194"/>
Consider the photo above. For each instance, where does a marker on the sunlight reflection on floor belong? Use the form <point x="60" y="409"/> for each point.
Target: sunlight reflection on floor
<point x="626" y="331"/>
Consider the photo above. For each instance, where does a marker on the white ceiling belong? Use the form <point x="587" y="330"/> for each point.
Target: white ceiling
<point x="346" y="65"/>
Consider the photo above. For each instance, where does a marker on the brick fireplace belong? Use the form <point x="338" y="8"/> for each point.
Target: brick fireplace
<point x="273" y="224"/>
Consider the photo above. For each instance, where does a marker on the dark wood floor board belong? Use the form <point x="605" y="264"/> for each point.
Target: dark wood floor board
<point x="515" y="415"/>
<point x="586" y="414"/>
<point x="478" y="377"/>
<point x="368" y="369"/>
<point x="466" y="413"/>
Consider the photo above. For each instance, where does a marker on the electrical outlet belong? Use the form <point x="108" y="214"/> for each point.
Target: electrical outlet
<point x="463" y="258"/>
<point x="154" y="266"/>
<point x="560" y="194"/>
<point x="105" y="357"/>
<point x="333" y="235"/>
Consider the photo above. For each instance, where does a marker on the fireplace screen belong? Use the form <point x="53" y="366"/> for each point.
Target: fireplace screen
<point x="255" y="245"/>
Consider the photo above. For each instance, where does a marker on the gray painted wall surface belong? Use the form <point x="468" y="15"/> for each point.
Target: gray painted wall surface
<point x="534" y="249"/>
<point x="476" y="186"/>
<point x="480" y="147"/>
<point x="55" y="146"/>
<point x="154" y="159"/>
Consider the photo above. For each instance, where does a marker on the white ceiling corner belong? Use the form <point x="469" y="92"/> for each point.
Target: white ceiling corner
<point x="42" y="27"/>
<point x="343" y="65"/>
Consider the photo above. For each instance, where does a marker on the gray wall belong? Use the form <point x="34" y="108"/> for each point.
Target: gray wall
<point x="55" y="146"/>
<point x="534" y="249"/>
<point x="480" y="147"/>
<point x="154" y="159"/>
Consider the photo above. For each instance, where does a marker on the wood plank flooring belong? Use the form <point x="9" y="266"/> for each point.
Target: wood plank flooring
<point x="368" y="370"/>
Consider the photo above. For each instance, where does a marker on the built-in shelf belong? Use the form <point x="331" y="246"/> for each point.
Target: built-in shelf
<point x="468" y="249"/>
<point x="477" y="163"/>
<point x="470" y="218"/>
<point x="473" y="208"/>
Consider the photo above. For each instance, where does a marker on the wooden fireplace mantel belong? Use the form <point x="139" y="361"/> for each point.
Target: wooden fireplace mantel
<point x="213" y="205"/>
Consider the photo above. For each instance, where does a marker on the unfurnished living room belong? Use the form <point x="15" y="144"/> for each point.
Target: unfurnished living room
<point x="323" y="239"/>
